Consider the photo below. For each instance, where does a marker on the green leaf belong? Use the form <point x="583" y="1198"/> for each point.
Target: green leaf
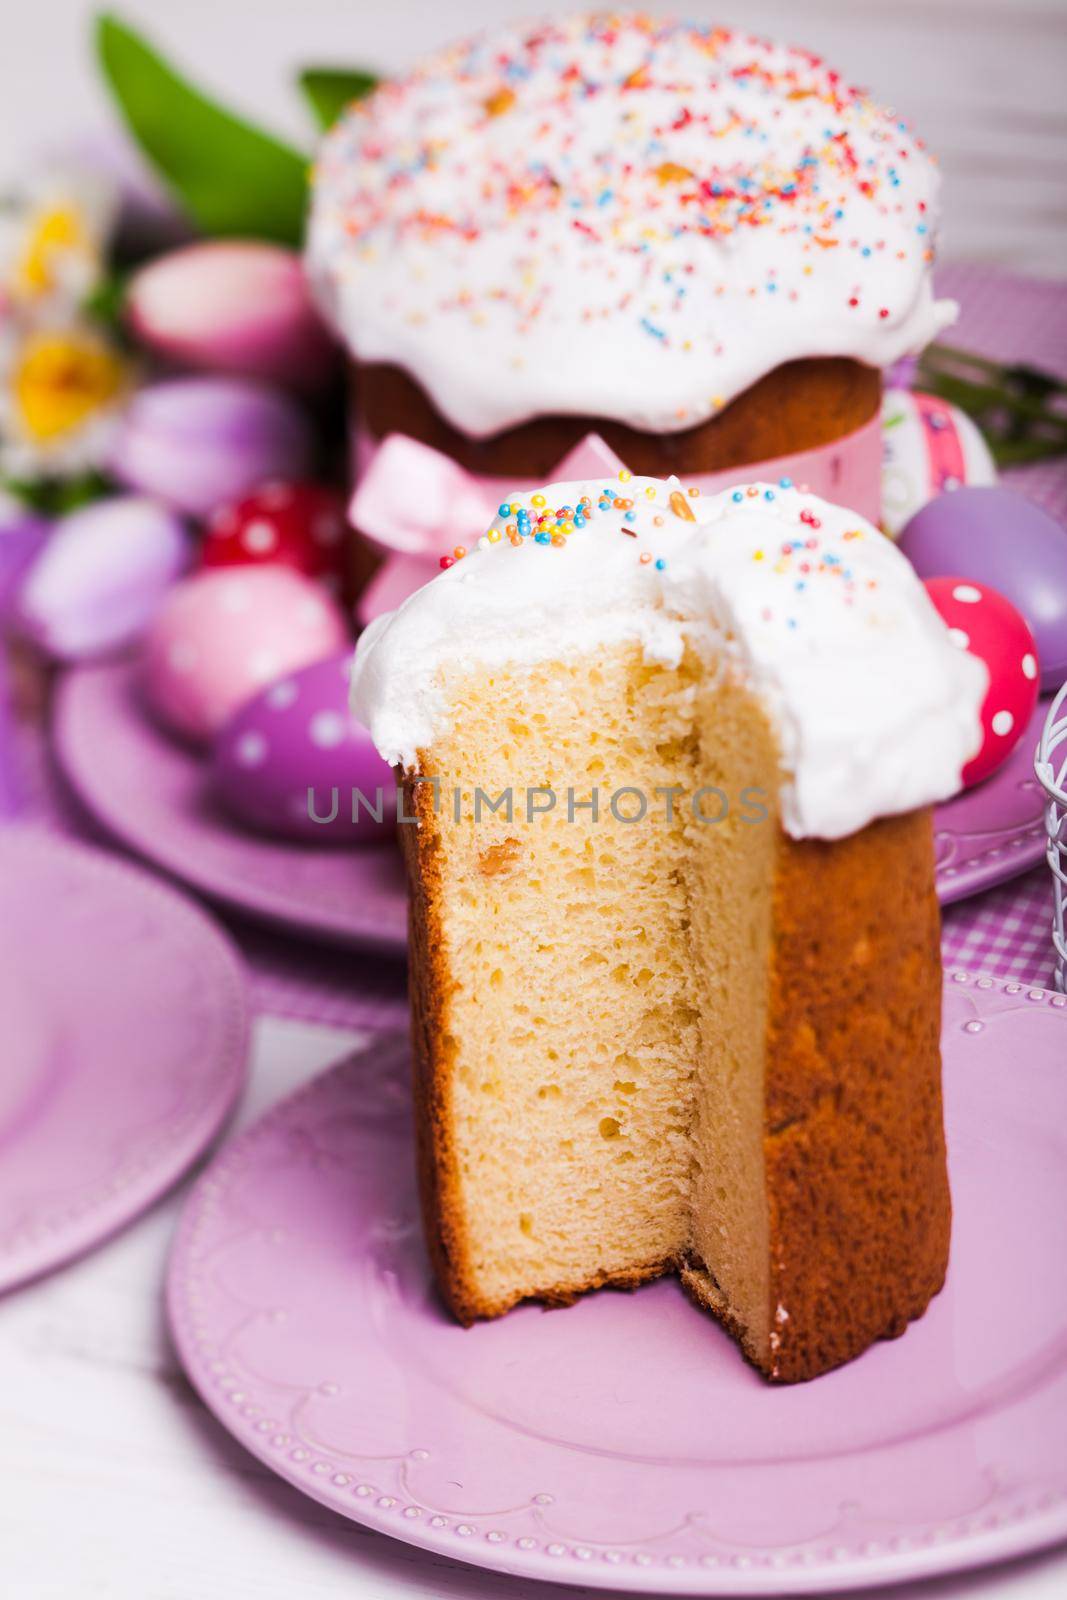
<point x="230" y="177"/>
<point x="53" y="497"/>
<point x="329" y="90"/>
<point x="106" y="300"/>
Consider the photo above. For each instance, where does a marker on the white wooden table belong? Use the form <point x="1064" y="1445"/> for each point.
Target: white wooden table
<point x="117" y="1484"/>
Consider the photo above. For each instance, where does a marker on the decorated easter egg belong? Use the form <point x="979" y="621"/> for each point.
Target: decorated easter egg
<point x="985" y="623"/>
<point x="300" y="525"/>
<point x="928" y="446"/>
<point x="293" y="761"/>
<point x="1000" y="538"/>
<point x="221" y="636"/>
<point x="101" y="576"/>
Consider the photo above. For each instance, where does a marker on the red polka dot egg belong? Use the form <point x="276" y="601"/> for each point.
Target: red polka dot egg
<point x="299" y="525"/>
<point x="222" y="636"/>
<point x="980" y="620"/>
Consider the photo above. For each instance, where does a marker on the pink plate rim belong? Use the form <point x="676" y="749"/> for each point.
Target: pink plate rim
<point x="379" y="925"/>
<point x="140" y="1183"/>
<point x="1022" y="1522"/>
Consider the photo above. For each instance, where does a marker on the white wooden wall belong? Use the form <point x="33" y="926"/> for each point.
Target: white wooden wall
<point x="982" y="80"/>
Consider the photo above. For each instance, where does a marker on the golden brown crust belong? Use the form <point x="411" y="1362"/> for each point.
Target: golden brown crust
<point x="559" y="1296"/>
<point x="797" y="406"/>
<point x="704" y="1292"/>
<point x="857" y="1189"/>
<point x="857" y="1185"/>
<point x="431" y="1049"/>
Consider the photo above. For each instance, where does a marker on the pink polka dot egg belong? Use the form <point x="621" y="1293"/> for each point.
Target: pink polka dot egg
<point x="222" y="636"/>
<point x="981" y="620"/>
<point x="294" y="762"/>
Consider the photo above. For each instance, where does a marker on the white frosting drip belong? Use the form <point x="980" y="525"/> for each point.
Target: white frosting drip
<point x="620" y="217"/>
<point x="876" y="710"/>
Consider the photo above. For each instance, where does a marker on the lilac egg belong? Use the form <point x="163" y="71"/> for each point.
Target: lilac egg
<point x="294" y="762"/>
<point x="1001" y="539"/>
<point x="101" y="576"/>
<point x="197" y="443"/>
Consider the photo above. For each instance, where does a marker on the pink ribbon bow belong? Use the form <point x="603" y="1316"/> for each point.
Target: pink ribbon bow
<point x="417" y="504"/>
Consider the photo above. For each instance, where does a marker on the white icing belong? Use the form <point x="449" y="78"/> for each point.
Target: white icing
<point x="876" y="710"/>
<point x="620" y="217"/>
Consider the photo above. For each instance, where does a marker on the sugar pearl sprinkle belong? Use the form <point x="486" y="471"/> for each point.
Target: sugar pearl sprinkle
<point x="677" y="207"/>
<point x="653" y="513"/>
<point x="529" y="518"/>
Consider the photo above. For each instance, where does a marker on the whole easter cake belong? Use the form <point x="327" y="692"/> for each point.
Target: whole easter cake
<point x="674" y="934"/>
<point x="698" y="245"/>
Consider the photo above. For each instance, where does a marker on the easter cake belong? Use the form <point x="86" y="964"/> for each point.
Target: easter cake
<point x="674" y="936"/>
<point x="697" y="245"/>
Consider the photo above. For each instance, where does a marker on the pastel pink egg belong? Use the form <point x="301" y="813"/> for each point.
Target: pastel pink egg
<point x="237" y="306"/>
<point x="221" y="636"/>
<point x="294" y="762"/>
<point x="982" y="621"/>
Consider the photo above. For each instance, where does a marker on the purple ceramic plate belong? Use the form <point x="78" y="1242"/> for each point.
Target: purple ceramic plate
<point x="996" y="830"/>
<point x="154" y="795"/>
<point x="124" y="1046"/>
<point x="624" y="1442"/>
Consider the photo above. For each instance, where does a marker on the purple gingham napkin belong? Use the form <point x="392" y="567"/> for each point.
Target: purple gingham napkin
<point x="1006" y="932"/>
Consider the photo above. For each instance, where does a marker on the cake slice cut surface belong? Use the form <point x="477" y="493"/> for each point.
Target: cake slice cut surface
<point x="660" y="1023"/>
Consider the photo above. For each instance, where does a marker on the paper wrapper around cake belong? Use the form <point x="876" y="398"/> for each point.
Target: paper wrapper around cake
<point x="800" y="405"/>
<point x="771" y="1010"/>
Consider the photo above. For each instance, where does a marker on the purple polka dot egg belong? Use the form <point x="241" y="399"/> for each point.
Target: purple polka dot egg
<point x="293" y="762"/>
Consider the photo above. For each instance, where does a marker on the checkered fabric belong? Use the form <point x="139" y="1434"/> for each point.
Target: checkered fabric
<point x="1006" y="932"/>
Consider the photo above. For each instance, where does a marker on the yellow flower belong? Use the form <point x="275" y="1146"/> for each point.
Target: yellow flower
<point x="61" y="379"/>
<point x="61" y="388"/>
<point x="56" y="235"/>
<point x="53" y="238"/>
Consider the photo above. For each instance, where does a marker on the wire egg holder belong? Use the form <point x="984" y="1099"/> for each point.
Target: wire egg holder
<point x="1050" y="768"/>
